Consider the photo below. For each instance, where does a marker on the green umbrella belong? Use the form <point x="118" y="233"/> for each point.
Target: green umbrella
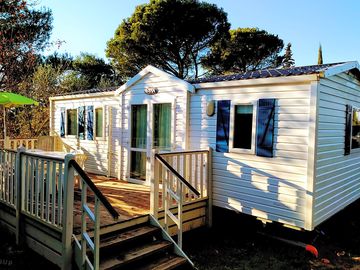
<point x="8" y="100"/>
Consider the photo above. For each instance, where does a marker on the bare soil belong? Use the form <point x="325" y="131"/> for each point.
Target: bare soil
<point x="238" y="241"/>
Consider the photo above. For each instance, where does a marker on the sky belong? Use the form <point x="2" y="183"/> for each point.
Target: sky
<point x="87" y="25"/>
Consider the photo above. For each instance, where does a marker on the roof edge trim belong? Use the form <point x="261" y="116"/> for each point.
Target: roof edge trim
<point x="151" y="69"/>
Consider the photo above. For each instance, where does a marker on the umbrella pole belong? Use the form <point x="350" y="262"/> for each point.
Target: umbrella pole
<point x="6" y="142"/>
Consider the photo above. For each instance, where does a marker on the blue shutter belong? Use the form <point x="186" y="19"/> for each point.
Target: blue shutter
<point x="265" y="128"/>
<point x="81" y="122"/>
<point x="90" y="122"/>
<point x="62" y="122"/>
<point x="348" y="122"/>
<point x="222" y="126"/>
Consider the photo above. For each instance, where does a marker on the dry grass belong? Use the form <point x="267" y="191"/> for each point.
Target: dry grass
<point x="238" y="243"/>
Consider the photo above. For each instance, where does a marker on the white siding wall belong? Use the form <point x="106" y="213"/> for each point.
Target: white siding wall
<point x="169" y="91"/>
<point x="270" y="188"/>
<point x="337" y="176"/>
<point x="97" y="150"/>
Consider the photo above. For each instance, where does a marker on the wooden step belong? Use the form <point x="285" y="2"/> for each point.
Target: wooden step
<point x="166" y="263"/>
<point x="118" y="239"/>
<point x="135" y="255"/>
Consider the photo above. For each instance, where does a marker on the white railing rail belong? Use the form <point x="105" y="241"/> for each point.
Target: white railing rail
<point x="179" y="178"/>
<point x="14" y="144"/>
<point x="90" y="216"/>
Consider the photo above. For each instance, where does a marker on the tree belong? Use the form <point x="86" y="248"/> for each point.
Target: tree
<point x="24" y="32"/>
<point x="320" y="57"/>
<point x="94" y="70"/>
<point x="288" y="60"/>
<point x="246" y="49"/>
<point x="170" y="34"/>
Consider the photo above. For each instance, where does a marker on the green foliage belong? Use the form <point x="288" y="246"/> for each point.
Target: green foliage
<point x="24" y="32"/>
<point x="73" y="81"/>
<point x="288" y="60"/>
<point x="320" y="56"/>
<point x="170" y="34"/>
<point x="94" y="70"/>
<point x="246" y="49"/>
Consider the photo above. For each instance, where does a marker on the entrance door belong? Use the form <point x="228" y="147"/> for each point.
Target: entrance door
<point x="158" y="125"/>
<point x="138" y="142"/>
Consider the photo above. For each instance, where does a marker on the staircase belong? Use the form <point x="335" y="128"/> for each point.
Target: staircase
<point x="140" y="247"/>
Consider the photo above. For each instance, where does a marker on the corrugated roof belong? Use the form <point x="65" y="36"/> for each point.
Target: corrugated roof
<point x="91" y="91"/>
<point x="267" y="73"/>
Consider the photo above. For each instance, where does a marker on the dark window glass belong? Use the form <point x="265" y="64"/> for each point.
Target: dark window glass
<point x="355" y="129"/>
<point x="138" y="165"/>
<point x="243" y="120"/>
<point x="138" y="128"/>
<point x="71" y="116"/>
<point x="81" y="122"/>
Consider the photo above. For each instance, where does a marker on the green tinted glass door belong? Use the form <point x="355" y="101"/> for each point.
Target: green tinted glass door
<point x="138" y="142"/>
<point x="162" y="126"/>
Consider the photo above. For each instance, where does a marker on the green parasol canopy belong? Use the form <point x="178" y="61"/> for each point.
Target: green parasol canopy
<point x="13" y="100"/>
<point x="8" y="100"/>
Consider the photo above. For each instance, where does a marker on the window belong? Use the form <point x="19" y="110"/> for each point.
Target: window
<point x="71" y="120"/>
<point x="81" y="122"/>
<point x="162" y="125"/>
<point x="355" y="131"/>
<point x="243" y="120"/>
<point x="99" y="117"/>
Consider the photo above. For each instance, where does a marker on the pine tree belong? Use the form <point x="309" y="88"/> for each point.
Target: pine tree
<point x="288" y="60"/>
<point x="320" y="57"/>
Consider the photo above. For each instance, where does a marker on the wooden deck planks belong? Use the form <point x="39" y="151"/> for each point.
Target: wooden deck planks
<point x="129" y="200"/>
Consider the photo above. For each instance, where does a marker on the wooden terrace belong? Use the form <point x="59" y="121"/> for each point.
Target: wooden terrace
<point x="59" y="211"/>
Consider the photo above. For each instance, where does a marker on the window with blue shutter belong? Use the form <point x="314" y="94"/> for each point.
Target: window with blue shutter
<point x="223" y="126"/>
<point x="265" y="127"/>
<point x="90" y="122"/>
<point x="81" y="122"/>
<point x="62" y="122"/>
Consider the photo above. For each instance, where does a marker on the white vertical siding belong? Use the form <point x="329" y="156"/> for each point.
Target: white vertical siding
<point x="96" y="150"/>
<point x="169" y="91"/>
<point x="337" y="176"/>
<point x="270" y="188"/>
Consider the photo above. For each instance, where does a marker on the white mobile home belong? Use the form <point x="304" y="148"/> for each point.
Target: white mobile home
<point x="286" y="141"/>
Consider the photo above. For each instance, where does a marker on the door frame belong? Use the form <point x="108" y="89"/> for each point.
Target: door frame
<point x="149" y="128"/>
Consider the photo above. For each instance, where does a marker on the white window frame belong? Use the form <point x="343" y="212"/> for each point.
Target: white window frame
<point x="66" y="123"/>
<point x="94" y="125"/>
<point x="353" y="150"/>
<point x="254" y="103"/>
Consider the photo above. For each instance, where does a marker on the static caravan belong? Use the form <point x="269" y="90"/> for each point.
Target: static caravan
<point x="286" y="142"/>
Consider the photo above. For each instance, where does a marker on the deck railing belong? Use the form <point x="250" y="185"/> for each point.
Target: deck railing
<point x="8" y="186"/>
<point x="14" y="144"/>
<point x="86" y="241"/>
<point x="179" y="178"/>
<point x="41" y="188"/>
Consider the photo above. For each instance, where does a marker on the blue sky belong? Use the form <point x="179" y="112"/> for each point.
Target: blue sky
<point x="86" y="25"/>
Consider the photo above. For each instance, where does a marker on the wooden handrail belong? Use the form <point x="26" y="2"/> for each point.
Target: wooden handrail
<point x="94" y="188"/>
<point x="173" y="171"/>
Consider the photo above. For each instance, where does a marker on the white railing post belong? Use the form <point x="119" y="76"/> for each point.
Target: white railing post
<point x="19" y="193"/>
<point x="154" y="185"/>
<point x="209" y="188"/>
<point x="67" y="218"/>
